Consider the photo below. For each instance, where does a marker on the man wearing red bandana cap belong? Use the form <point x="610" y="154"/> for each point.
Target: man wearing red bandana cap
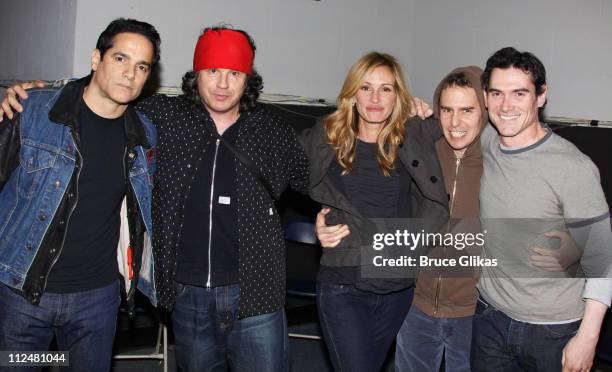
<point x="219" y="250"/>
<point x="224" y="48"/>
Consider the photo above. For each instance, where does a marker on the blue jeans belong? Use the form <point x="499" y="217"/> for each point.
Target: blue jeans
<point x="423" y="340"/>
<point x="209" y="337"/>
<point x="502" y="344"/>
<point x="83" y="323"/>
<point x="359" y="327"/>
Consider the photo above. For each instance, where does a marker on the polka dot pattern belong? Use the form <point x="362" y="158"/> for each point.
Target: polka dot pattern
<point x="184" y="129"/>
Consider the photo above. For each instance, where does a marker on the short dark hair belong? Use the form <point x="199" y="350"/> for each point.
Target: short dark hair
<point x="254" y="84"/>
<point x="525" y="61"/>
<point x="457" y="79"/>
<point x="120" y="25"/>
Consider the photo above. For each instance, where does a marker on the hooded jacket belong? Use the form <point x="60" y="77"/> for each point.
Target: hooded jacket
<point x="442" y="291"/>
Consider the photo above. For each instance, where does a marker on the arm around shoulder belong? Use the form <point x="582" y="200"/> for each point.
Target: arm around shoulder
<point x="154" y="106"/>
<point x="295" y="162"/>
<point x="430" y="127"/>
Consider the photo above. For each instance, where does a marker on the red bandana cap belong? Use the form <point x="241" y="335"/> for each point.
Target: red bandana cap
<point x="223" y="49"/>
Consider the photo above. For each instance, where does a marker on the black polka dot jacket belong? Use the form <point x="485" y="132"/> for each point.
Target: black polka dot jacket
<point x="184" y="130"/>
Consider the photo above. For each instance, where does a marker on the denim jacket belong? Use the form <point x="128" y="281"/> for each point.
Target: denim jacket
<point x="39" y="168"/>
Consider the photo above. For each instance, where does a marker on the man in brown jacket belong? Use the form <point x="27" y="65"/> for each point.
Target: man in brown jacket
<point x="445" y="297"/>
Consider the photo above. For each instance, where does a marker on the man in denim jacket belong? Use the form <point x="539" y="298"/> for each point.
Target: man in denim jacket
<point x="68" y="163"/>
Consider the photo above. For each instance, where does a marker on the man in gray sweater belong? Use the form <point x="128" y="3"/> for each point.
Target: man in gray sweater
<point x="534" y="181"/>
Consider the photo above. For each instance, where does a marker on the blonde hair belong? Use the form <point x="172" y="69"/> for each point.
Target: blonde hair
<point x="341" y="126"/>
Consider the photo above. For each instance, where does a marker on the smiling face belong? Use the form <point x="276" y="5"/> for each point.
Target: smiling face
<point x="513" y="106"/>
<point x="376" y="97"/>
<point x="220" y="90"/>
<point x="460" y="117"/>
<point x="121" y="73"/>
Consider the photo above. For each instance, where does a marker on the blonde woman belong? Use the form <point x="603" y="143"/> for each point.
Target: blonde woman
<point x="368" y="160"/>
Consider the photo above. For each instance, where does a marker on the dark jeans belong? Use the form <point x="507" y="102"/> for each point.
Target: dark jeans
<point x="423" y="340"/>
<point x="359" y="327"/>
<point x="209" y="337"/>
<point x="84" y="325"/>
<point x="502" y="344"/>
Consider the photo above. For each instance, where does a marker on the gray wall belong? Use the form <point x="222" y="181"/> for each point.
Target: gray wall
<point x="37" y="39"/>
<point x="572" y="38"/>
<point x="305" y="47"/>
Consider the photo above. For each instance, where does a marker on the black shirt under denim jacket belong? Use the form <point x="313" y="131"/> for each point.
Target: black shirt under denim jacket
<point x="65" y="111"/>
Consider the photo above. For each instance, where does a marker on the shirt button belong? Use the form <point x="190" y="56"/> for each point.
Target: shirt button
<point x="62" y="222"/>
<point x="28" y="247"/>
<point x="42" y="217"/>
<point x="71" y="195"/>
<point x="415" y="163"/>
<point x="52" y="251"/>
<point x="433" y="179"/>
<point x="57" y="184"/>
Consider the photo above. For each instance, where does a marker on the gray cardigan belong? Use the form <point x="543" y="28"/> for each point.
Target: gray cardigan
<point x="428" y="197"/>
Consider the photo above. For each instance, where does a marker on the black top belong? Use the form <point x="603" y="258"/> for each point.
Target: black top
<point x="193" y="263"/>
<point x="367" y="188"/>
<point x="88" y="259"/>
<point x="372" y="193"/>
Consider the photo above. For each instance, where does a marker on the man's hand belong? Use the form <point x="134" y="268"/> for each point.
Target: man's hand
<point x="579" y="351"/>
<point x="578" y="354"/>
<point x="329" y="236"/>
<point x="420" y="108"/>
<point x="10" y="102"/>
<point x="556" y="260"/>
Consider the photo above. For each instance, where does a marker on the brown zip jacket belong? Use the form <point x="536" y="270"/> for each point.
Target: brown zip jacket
<point x="446" y="291"/>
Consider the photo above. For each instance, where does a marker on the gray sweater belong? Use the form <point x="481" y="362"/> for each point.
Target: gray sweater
<point x="524" y="193"/>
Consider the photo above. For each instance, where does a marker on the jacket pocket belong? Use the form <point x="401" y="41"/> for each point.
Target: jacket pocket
<point x="33" y="158"/>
